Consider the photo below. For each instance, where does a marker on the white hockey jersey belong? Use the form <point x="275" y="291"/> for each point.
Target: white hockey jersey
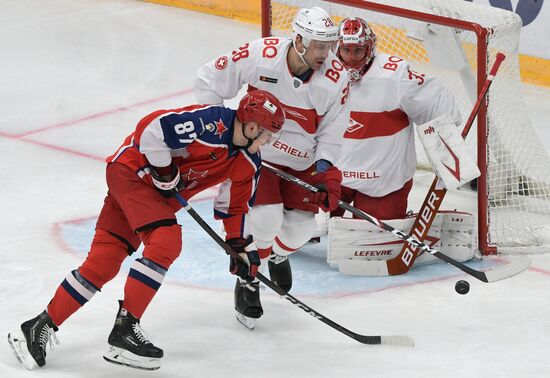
<point x="316" y="110"/>
<point x="378" y="152"/>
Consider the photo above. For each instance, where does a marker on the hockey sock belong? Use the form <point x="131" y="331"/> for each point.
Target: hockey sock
<point x="143" y="281"/>
<point x="74" y="292"/>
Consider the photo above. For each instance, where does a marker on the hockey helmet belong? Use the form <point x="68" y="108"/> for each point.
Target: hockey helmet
<point x="314" y="24"/>
<point x="263" y="108"/>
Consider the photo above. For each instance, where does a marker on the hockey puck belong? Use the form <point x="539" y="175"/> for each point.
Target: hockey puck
<point x="462" y="287"/>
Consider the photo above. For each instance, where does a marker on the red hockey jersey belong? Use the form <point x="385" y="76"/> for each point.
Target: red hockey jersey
<point x="198" y="139"/>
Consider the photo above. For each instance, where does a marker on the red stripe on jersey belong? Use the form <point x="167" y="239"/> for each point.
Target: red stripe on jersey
<point x="306" y="118"/>
<point x="364" y="125"/>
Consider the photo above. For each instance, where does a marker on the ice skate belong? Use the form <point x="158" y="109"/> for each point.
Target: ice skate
<point x="247" y="303"/>
<point x="29" y="343"/>
<point x="129" y="345"/>
<point x="280" y="272"/>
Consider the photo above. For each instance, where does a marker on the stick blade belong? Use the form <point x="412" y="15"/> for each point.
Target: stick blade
<point x="508" y="270"/>
<point x="385" y="340"/>
<point x="398" y="340"/>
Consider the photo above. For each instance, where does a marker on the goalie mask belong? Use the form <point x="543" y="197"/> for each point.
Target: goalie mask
<point x="263" y="108"/>
<point x="356" y="46"/>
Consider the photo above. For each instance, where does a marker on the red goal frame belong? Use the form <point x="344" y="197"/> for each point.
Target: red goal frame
<point x="482" y="34"/>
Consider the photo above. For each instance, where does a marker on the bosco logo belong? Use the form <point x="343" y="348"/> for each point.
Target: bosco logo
<point x="221" y="63"/>
<point x="528" y="10"/>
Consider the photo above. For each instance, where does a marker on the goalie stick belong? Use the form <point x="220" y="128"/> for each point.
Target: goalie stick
<point x="434" y="198"/>
<point x="489" y="276"/>
<point x="371" y="340"/>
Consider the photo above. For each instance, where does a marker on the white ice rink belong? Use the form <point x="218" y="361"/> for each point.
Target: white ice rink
<point x="75" y="76"/>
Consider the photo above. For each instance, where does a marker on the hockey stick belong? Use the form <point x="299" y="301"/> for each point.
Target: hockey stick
<point x="434" y="198"/>
<point x="488" y="276"/>
<point x="371" y="340"/>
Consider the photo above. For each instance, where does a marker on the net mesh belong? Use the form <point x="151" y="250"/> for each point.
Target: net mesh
<point x="518" y="169"/>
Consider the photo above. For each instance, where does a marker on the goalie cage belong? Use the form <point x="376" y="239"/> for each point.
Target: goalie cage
<point x="457" y="41"/>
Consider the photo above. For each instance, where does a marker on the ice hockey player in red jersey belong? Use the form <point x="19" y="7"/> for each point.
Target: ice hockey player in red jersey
<point x="312" y="84"/>
<point x="183" y="150"/>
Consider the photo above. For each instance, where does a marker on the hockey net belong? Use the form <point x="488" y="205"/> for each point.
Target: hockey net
<point x="457" y="41"/>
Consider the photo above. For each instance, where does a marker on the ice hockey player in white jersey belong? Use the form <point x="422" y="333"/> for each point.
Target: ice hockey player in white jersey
<point x="378" y="160"/>
<point x="387" y="98"/>
<point x="312" y="84"/>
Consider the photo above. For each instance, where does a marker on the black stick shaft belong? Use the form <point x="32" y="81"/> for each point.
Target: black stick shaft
<point x="372" y="340"/>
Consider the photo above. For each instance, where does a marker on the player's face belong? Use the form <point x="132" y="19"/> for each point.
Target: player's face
<point x="260" y="135"/>
<point x="352" y="54"/>
<point x="317" y="52"/>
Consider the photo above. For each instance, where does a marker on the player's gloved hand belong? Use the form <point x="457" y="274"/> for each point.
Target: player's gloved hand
<point x="247" y="266"/>
<point x="329" y="184"/>
<point x="167" y="184"/>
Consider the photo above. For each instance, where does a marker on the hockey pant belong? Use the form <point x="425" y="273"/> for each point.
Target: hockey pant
<point x="279" y="230"/>
<point x="133" y="212"/>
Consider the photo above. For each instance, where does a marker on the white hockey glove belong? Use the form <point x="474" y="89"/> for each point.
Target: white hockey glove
<point x="447" y="152"/>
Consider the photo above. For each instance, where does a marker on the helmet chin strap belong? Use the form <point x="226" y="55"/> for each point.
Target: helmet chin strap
<point x="301" y="55"/>
<point x="249" y="141"/>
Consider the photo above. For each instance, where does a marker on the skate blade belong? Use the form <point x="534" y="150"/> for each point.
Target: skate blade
<point x="18" y="344"/>
<point x="249" y="323"/>
<point x="119" y="356"/>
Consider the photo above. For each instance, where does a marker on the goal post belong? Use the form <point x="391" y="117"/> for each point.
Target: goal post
<point x="456" y="41"/>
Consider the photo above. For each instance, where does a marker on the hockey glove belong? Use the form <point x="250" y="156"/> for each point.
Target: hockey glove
<point x="329" y="184"/>
<point x="167" y="185"/>
<point x="247" y="266"/>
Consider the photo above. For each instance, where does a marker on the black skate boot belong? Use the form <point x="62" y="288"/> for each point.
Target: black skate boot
<point x="129" y="345"/>
<point x="280" y="272"/>
<point x="247" y="302"/>
<point x="30" y="342"/>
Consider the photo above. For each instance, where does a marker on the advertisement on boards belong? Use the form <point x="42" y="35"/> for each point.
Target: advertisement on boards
<point x="535" y="16"/>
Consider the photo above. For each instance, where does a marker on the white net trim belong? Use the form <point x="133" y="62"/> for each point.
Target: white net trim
<point x="518" y="172"/>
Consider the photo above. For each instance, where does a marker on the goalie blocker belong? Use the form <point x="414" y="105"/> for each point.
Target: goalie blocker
<point x="353" y="244"/>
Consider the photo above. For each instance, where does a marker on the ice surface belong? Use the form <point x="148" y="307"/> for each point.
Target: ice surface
<point x="75" y="76"/>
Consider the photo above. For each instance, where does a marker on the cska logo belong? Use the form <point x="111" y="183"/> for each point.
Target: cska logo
<point x="191" y="178"/>
<point x="220" y="128"/>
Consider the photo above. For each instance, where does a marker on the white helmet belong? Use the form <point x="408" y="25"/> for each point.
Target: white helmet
<point x="314" y="24"/>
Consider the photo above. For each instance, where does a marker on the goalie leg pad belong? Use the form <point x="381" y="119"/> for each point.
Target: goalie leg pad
<point x="349" y="240"/>
<point x="458" y="238"/>
<point x="361" y="240"/>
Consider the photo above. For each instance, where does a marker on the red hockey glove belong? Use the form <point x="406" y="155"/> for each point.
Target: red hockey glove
<point x="247" y="266"/>
<point x="329" y="184"/>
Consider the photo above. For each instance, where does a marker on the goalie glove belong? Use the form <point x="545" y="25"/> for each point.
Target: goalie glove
<point x="329" y="185"/>
<point x="247" y="265"/>
<point x="447" y="152"/>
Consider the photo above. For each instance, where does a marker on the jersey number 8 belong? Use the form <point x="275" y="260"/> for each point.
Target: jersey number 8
<point x="186" y="129"/>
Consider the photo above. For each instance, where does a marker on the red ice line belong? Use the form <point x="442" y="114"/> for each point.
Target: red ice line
<point x="24" y="136"/>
